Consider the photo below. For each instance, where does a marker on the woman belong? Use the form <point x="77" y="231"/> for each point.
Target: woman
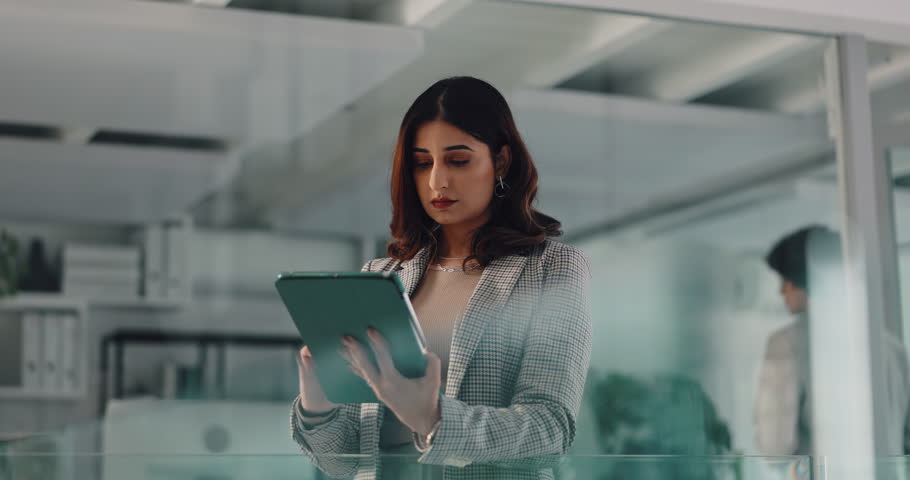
<point x="503" y="307"/>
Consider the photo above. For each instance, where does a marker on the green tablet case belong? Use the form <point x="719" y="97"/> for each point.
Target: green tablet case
<point x="327" y="306"/>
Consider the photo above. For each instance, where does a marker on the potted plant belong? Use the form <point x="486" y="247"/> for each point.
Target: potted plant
<point x="9" y="264"/>
<point x="667" y="415"/>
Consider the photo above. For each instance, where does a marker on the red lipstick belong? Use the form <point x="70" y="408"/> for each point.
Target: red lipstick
<point x="443" y="202"/>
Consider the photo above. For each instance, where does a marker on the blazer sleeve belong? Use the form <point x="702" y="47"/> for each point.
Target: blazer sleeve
<point x="337" y="433"/>
<point x="541" y="417"/>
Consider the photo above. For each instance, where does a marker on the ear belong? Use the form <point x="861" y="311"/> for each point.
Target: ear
<point x="502" y="161"/>
<point x="792" y="287"/>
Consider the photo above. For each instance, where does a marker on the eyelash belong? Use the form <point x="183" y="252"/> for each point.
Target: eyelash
<point x="457" y="163"/>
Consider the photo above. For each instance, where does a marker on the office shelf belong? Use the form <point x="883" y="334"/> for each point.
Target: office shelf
<point x="26" y="301"/>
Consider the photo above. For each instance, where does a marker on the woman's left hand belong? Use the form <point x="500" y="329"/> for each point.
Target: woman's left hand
<point x="415" y="401"/>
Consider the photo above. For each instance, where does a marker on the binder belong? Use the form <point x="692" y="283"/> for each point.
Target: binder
<point x="102" y="282"/>
<point x="31" y="351"/>
<point x="116" y="256"/>
<point x="177" y="237"/>
<point x="92" y="275"/>
<point x="69" y="352"/>
<point x="126" y="291"/>
<point x="153" y="271"/>
<point x="51" y="375"/>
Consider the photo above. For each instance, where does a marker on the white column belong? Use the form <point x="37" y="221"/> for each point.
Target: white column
<point x="849" y="310"/>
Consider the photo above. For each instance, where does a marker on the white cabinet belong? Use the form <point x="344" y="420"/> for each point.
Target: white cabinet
<point x="43" y="345"/>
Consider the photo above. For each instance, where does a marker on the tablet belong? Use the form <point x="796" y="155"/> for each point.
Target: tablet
<point x="327" y="306"/>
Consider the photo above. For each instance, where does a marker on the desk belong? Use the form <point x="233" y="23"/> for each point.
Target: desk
<point x="114" y="345"/>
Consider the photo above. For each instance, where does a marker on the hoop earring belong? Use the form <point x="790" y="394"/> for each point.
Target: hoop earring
<point x="501" y="189"/>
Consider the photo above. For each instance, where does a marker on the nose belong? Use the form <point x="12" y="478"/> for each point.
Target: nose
<point x="439" y="178"/>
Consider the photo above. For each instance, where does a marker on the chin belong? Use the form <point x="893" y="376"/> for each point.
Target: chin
<point x="445" y="221"/>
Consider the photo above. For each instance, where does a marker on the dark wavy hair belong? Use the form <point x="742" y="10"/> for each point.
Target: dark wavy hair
<point x="477" y="108"/>
<point x="789" y="256"/>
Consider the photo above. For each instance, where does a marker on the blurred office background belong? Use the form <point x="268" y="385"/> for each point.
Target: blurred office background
<point x="162" y="161"/>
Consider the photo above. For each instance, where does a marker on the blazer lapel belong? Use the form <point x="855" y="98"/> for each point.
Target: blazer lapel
<point x="411" y="271"/>
<point x="493" y="289"/>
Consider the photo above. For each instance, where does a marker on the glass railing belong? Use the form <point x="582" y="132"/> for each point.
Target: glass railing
<point x="25" y="465"/>
<point x="886" y="468"/>
<point x="63" y="466"/>
<point x="70" y="455"/>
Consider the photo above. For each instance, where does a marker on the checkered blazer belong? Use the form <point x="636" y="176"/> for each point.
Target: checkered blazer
<point x="517" y="371"/>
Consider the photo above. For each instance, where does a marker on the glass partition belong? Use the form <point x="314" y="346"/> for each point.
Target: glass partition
<point x="890" y="93"/>
<point x="163" y="161"/>
<point x="889" y="86"/>
<point x="900" y="165"/>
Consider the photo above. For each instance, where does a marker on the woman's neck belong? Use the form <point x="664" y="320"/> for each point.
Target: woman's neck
<point x="456" y="242"/>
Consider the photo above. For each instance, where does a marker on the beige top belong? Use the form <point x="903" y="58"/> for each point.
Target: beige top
<point x="439" y="302"/>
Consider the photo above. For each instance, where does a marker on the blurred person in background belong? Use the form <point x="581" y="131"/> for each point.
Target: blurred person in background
<point x="782" y="411"/>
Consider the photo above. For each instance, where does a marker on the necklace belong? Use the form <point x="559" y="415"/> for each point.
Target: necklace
<point x="473" y="266"/>
<point x="453" y="258"/>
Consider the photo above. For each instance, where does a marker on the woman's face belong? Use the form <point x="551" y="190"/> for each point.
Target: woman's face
<point x="451" y="164"/>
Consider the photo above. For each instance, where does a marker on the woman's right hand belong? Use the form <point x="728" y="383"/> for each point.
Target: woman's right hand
<point x="312" y="397"/>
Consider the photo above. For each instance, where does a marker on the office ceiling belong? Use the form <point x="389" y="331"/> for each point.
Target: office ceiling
<point x="288" y="111"/>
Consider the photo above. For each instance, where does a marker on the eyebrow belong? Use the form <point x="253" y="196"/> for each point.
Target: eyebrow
<point x="447" y="149"/>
